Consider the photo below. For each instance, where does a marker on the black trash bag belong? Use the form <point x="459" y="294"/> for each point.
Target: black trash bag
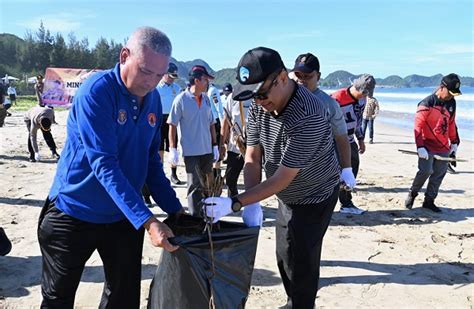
<point x="182" y="278"/>
<point x="5" y="244"/>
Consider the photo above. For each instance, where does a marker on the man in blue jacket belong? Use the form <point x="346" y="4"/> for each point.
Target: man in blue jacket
<point x="111" y="151"/>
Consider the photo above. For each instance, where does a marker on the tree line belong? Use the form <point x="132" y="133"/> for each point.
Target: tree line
<point x="41" y="49"/>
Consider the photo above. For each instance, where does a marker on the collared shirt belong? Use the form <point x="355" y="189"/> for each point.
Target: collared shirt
<point x="352" y="110"/>
<point x="215" y="98"/>
<point x="336" y="118"/>
<point x="300" y="137"/>
<point x="194" y="123"/>
<point x="111" y="150"/>
<point x="167" y="94"/>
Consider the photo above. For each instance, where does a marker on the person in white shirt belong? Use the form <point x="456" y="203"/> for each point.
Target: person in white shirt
<point x="217" y="110"/>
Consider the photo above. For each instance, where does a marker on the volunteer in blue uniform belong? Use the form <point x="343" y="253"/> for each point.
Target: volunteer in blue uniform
<point x="113" y="137"/>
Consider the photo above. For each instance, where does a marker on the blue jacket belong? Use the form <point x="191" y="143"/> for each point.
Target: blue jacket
<point x="111" y="150"/>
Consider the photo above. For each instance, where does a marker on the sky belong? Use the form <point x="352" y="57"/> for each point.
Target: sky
<point x="385" y="37"/>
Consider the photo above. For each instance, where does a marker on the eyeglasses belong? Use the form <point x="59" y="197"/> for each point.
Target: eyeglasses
<point x="264" y="95"/>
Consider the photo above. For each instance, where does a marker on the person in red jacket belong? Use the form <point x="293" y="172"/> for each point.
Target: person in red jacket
<point x="435" y="134"/>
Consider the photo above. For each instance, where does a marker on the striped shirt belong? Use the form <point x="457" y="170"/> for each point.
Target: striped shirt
<point x="299" y="137"/>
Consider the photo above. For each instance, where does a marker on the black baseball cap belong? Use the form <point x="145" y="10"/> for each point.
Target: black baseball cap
<point x="306" y="63"/>
<point x="198" y="71"/>
<point x="227" y="87"/>
<point x="173" y="70"/>
<point x="253" y="69"/>
<point x="452" y="83"/>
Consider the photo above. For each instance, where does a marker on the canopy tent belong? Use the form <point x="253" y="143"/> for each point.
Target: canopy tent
<point x="9" y="78"/>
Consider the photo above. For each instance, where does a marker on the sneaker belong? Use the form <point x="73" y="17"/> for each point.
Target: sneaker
<point x="429" y="204"/>
<point x="175" y="180"/>
<point x="351" y="209"/>
<point x="451" y="170"/>
<point x="410" y="199"/>
<point x="56" y="155"/>
<point x="371" y="141"/>
<point x="32" y="159"/>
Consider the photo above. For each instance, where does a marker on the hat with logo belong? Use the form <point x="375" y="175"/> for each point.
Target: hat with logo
<point x="365" y="84"/>
<point x="306" y="63"/>
<point x="253" y="69"/>
<point x="173" y="70"/>
<point x="198" y="71"/>
<point x="227" y="87"/>
<point x="452" y="83"/>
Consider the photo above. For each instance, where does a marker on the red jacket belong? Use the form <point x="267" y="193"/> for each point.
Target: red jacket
<point x="435" y="125"/>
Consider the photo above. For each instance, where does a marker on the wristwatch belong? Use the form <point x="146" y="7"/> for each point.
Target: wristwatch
<point x="236" y="204"/>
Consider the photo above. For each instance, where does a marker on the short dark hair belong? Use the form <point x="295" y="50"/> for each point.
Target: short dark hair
<point x="45" y="123"/>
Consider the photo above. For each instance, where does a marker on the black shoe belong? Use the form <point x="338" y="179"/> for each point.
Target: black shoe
<point x="410" y="199"/>
<point x="8" y="114"/>
<point x="56" y="155"/>
<point x="429" y="204"/>
<point x="32" y="159"/>
<point x="175" y="180"/>
<point x="5" y="244"/>
<point x="451" y="170"/>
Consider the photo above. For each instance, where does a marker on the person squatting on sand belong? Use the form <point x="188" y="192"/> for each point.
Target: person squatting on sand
<point x="352" y="102"/>
<point x="95" y="202"/>
<point x="288" y="133"/>
<point x="436" y="133"/>
<point x="40" y="118"/>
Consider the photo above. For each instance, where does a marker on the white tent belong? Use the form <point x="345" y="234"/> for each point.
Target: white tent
<point x="9" y="78"/>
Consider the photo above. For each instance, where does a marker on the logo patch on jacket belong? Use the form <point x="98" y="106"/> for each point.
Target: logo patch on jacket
<point x="152" y="119"/>
<point x="122" y="117"/>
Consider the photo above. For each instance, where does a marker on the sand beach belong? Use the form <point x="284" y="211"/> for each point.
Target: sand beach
<point x="390" y="257"/>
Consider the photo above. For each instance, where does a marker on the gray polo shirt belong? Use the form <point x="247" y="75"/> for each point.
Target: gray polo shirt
<point x="336" y="118"/>
<point x="193" y="122"/>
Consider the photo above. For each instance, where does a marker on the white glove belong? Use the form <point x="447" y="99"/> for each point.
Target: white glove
<point x="37" y="156"/>
<point x="174" y="156"/>
<point x="253" y="215"/>
<point x="454" y="149"/>
<point x="423" y="153"/>
<point x="215" y="152"/>
<point x="348" y="177"/>
<point x="217" y="207"/>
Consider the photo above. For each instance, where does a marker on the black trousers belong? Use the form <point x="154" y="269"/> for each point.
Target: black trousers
<point x="299" y="237"/>
<point x="235" y="163"/>
<point x="67" y="243"/>
<point x="48" y="137"/>
<point x="345" y="197"/>
<point x="196" y="166"/>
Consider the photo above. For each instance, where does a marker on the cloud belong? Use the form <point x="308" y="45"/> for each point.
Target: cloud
<point x="454" y="49"/>
<point x="60" y="22"/>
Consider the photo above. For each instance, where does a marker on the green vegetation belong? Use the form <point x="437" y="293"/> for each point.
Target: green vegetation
<point x="24" y="103"/>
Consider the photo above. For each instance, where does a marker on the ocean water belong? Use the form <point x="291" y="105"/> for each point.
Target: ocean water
<point x="398" y="107"/>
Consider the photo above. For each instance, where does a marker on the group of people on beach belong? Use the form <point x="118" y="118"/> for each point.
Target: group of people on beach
<point x="306" y="141"/>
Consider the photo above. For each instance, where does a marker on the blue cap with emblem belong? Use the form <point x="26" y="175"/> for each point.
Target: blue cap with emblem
<point x="253" y="69"/>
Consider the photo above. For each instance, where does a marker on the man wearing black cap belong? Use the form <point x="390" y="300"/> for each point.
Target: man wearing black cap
<point x="352" y="102"/>
<point x="436" y="133"/>
<point x="306" y="73"/>
<point x="168" y="91"/>
<point x="40" y="118"/>
<point x="288" y="133"/>
<point x="191" y="110"/>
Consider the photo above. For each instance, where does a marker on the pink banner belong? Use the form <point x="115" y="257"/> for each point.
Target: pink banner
<point x="61" y="84"/>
